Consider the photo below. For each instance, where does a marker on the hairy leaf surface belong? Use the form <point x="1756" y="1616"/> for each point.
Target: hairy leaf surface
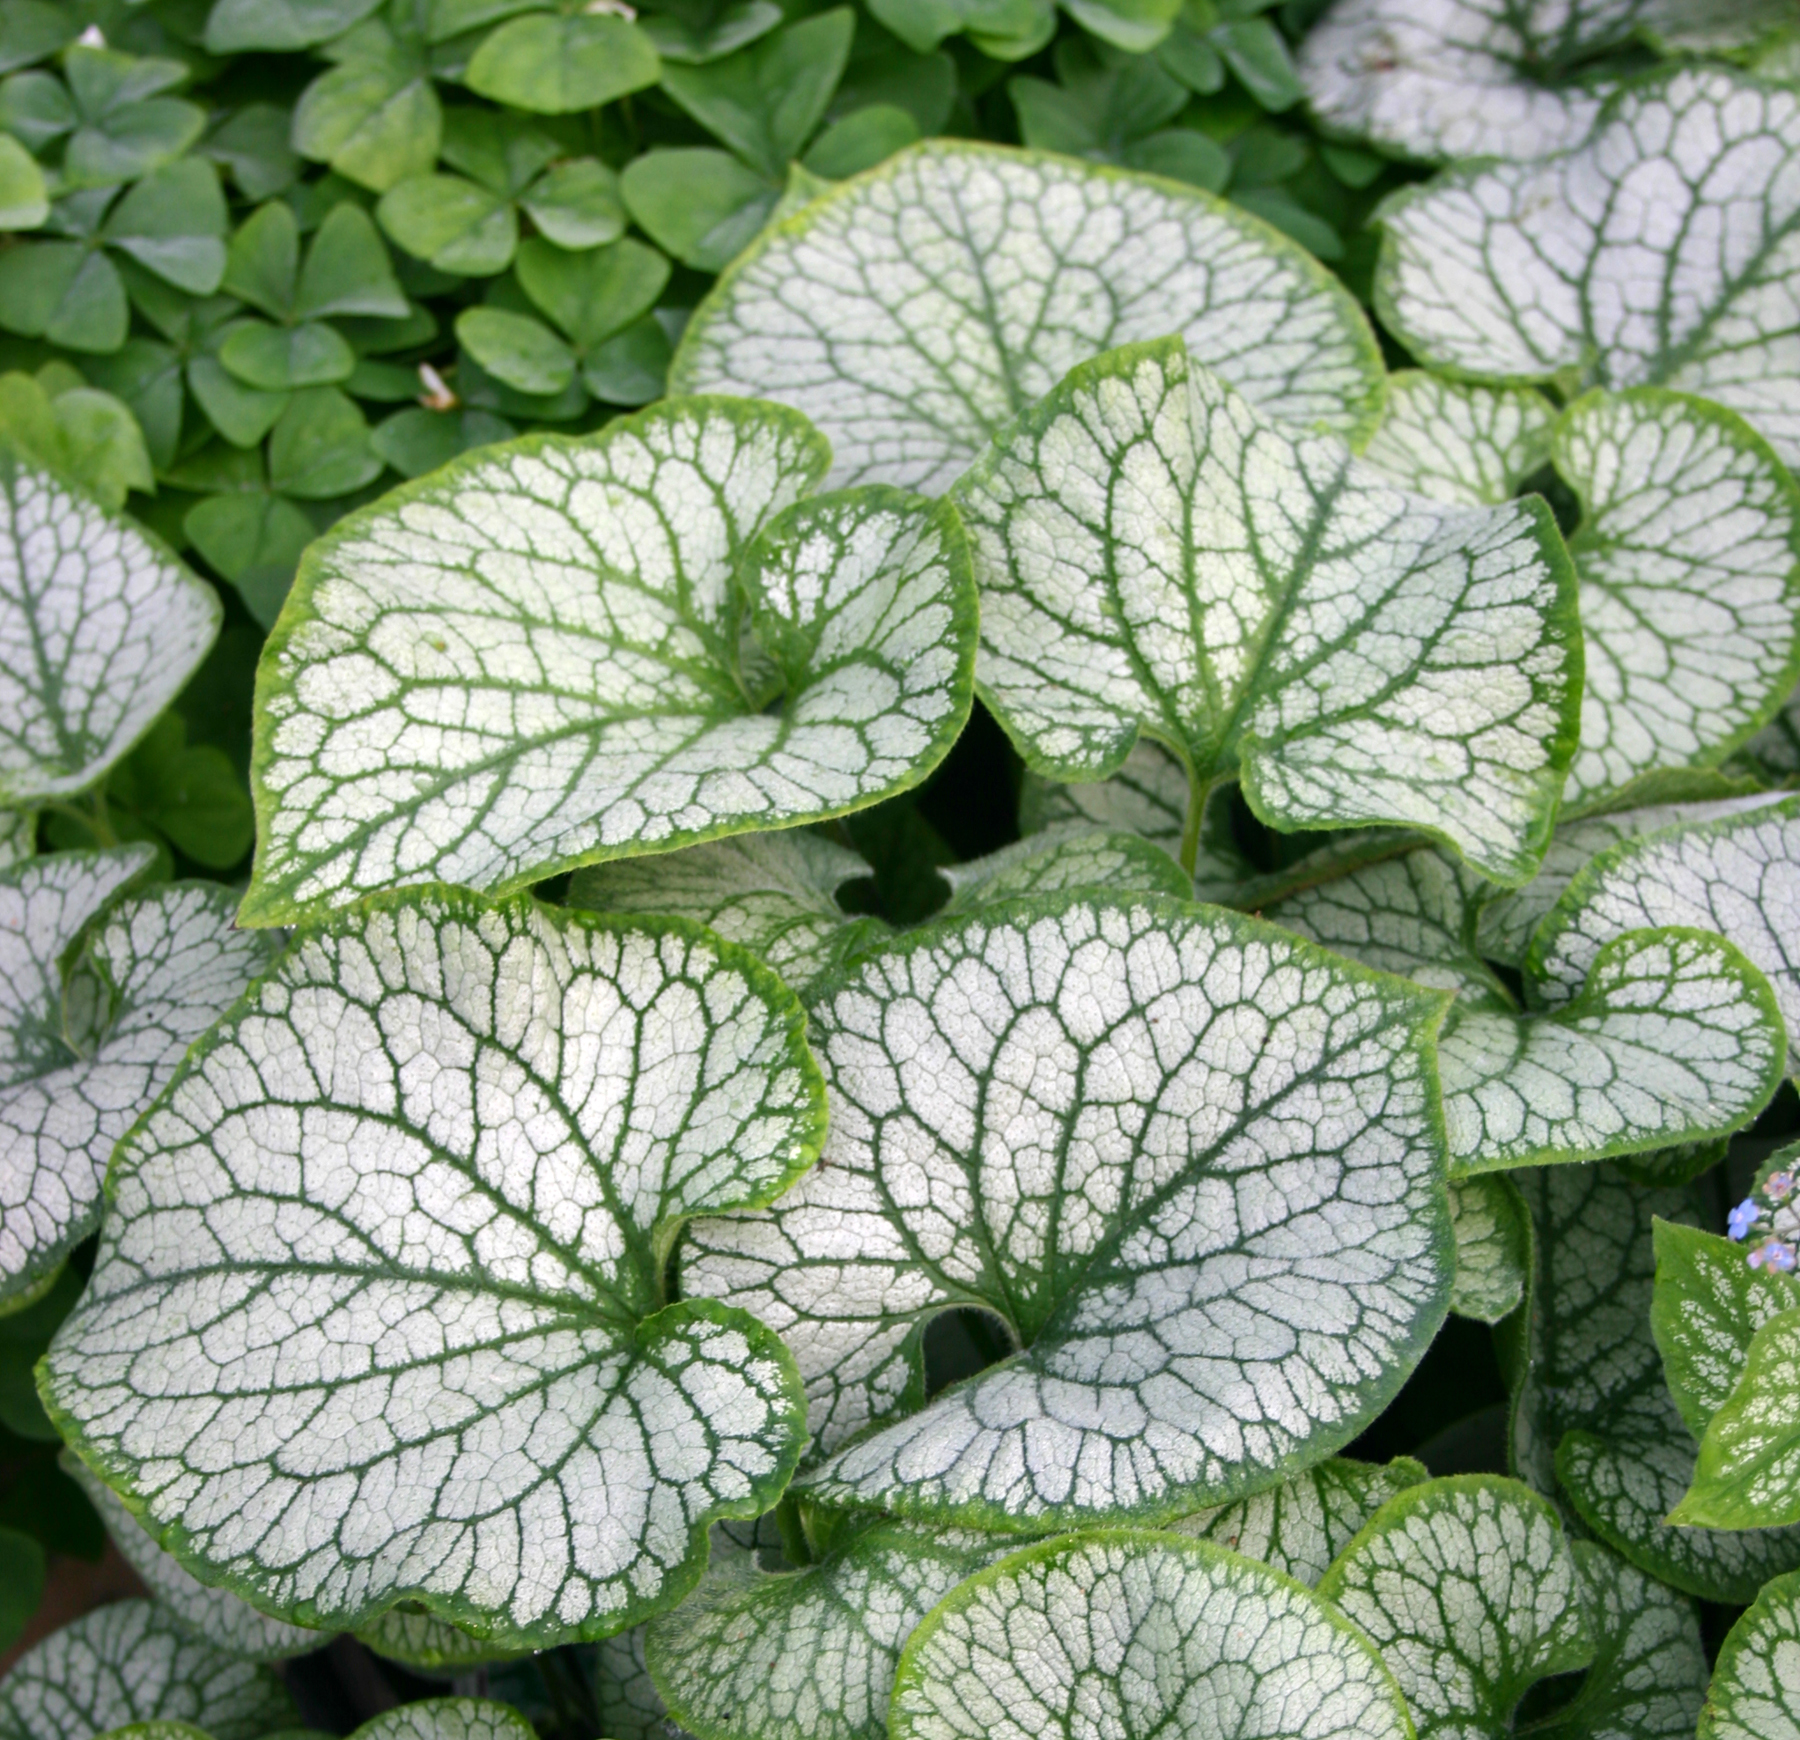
<point x="1191" y="1163"/>
<point x="1661" y="252"/>
<point x="1470" y="1592"/>
<point x="1591" y="1411"/>
<point x="1754" y="1693"/>
<point x="100" y="626"/>
<point x="1137" y="1635"/>
<point x="379" y="1309"/>
<point x="92" y="1047"/>
<point x="1155" y="557"/>
<point x="565" y="650"/>
<point x="915" y="311"/>
<point x="132" y="1662"/>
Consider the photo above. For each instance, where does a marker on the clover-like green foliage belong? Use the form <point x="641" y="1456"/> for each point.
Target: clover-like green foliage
<point x="809" y="1654"/>
<point x="90" y="1039"/>
<point x="1738" y="876"/>
<point x="1754" y="1694"/>
<point x="1469" y="1590"/>
<point x="1154" y="556"/>
<point x="1528" y="271"/>
<point x="915" y="311"/>
<point x="1137" y="1635"/>
<point x="1473" y="445"/>
<point x="132" y="1662"/>
<point x="1673" y="1036"/>
<point x="1300" y="1526"/>
<point x="564" y="650"/>
<point x="379" y="1311"/>
<point x="1192" y="1164"/>
<point x="1439" y="79"/>
<point x="1592" y="1416"/>
<point x="1493" y="1247"/>
<point x="100" y="626"/>
<point x="214" y="1616"/>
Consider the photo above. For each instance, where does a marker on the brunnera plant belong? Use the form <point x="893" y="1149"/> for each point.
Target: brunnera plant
<point x="619" y="1214"/>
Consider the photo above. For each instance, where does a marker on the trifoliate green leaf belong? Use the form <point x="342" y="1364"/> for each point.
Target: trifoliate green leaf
<point x="24" y="202"/>
<point x="1533" y="271"/>
<point x="80" y="435"/>
<point x="91" y="1049"/>
<point x="215" y="1616"/>
<point x="1509" y="916"/>
<point x="976" y="277"/>
<point x="254" y="538"/>
<point x="1473" y="445"/>
<point x="100" y="626"/>
<point x="124" y="127"/>
<point x="1191" y="1164"/>
<point x="453" y="224"/>
<point x="1689" y="581"/>
<point x="1493" y="1247"/>
<point x="407" y="733"/>
<point x="1438" y="79"/>
<point x="132" y="1662"/>
<point x="702" y="206"/>
<point x="808" y="1654"/>
<point x="237" y="26"/>
<point x="279" y="359"/>
<point x="1139" y="1635"/>
<point x="533" y="1442"/>
<point x="1748" y="1474"/>
<point x="1673" y="1037"/>
<point x="1362" y="656"/>
<point x="375" y="119"/>
<point x="448" y="1719"/>
<point x="692" y="32"/>
<point x="1734" y="876"/>
<point x="1754" y="1694"/>
<point x="555" y="65"/>
<point x="1591" y="1411"/>
<point x="1300" y="1526"/>
<point x="1470" y="1592"/>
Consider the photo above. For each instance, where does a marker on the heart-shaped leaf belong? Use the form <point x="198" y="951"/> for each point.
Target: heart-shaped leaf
<point x="561" y="673"/>
<point x="1354" y="654"/>
<point x="1754" y="1695"/>
<point x="555" y="65"/>
<point x="975" y="278"/>
<point x="271" y="26"/>
<point x="542" y="1439"/>
<point x="1194" y="1167"/>
<point x="448" y="1719"/>
<point x="1138" y="1635"/>
<point x="1748" y="1474"/>
<point x="100" y="625"/>
<point x="1470" y="1592"/>
<point x="1437" y="79"/>
<point x="1738" y="876"/>
<point x="1533" y="271"/>
<point x="1591" y="1412"/>
<point x="91" y="1048"/>
<point x="1473" y="445"/>
<point x="1493" y="1247"/>
<point x="1300" y="1526"/>
<point x="809" y="1654"/>
<point x="215" y="1616"/>
<point x="1672" y="1036"/>
<point x="132" y="1662"/>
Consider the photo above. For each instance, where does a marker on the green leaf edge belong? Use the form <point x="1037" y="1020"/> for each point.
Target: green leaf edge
<point x="1720" y="1503"/>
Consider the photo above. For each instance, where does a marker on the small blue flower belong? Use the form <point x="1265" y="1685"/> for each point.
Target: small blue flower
<point x="1778" y="1256"/>
<point x="1741" y="1219"/>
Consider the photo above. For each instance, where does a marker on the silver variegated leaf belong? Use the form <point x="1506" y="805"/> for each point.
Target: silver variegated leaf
<point x="809" y="1654"/>
<point x="1528" y="271"/>
<point x="915" y="311"/>
<point x="214" y="1616"/>
<point x="448" y="1719"/>
<point x="1473" y="445"/>
<point x="1155" y="557"/>
<point x="1300" y="1526"/>
<point x="1058" y="860"/>
<point x="1738" y="876"/>
<point x="1592" y="1416"/>
<point x="566" y="650"/>
<point x="18" y="836"/>
<point x="1439" y="79"/>
<point x="1671" y="1037"/>
<point x="425" y="1645"/>
<point x="1192" y="1165"/>
<point x="1468" y="1588"/>
<point x="92" y="1047"/>
<point x="1748" y="1474"/>
<point x="100" y="626"/>
<point x="1754" y="1693"/>
<point x="132" y="1662"/>
<point x="1139" y="1635"/>
<point x="379" y="1311"/>
<point x="1493" y="1247"/>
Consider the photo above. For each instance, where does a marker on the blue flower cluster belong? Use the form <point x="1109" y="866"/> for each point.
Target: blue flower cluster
<point x="1769" y="1220"/>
